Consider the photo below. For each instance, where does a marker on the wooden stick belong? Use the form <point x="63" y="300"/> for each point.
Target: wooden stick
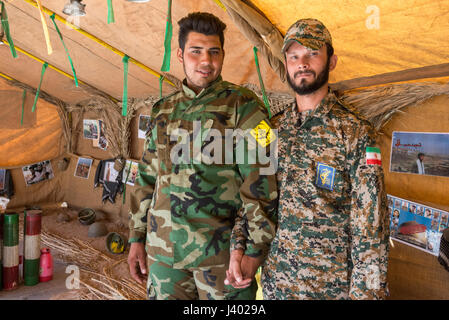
<point x="436" y="71"/>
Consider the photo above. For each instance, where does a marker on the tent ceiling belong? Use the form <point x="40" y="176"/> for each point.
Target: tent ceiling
<point x="138" y="31"/>
<point x="412" y="34"/>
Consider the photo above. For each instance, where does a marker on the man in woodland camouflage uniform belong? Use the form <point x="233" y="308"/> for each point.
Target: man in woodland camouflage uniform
<point x="190" y="184"/>
<point x="332" y="237"/>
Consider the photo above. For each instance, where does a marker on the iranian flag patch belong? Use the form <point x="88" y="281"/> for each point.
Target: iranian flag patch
<point x="373" y="156"/>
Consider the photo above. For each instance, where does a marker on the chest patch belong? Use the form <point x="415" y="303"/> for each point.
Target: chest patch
<point x="325" y="176"/>
<point x="263" y="133"/>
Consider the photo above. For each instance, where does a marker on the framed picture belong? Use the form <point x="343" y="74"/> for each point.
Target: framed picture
<point x="132" y="172"/>
<point x="83" y="168"/>
<point x="421" y="153"/>
<point x="110" y="174"/>
<point x="416" y="225"/>
<point x="90" y="129"/>
<point x="101" y="142"/>
<point x="144" y="125"/>
<point x="37" y="172"/>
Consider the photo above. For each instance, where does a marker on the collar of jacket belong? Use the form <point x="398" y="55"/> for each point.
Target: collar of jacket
<point x="321" y="110"/>
<point x="192" y="95"/>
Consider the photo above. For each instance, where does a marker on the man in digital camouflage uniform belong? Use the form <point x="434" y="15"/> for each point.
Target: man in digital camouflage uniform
<point x="332" y="236"/>
<point x="191" y="184"/>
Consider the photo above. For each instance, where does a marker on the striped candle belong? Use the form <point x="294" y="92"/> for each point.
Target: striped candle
<point x="10" y="251"/>
<point x="32" y="243"/>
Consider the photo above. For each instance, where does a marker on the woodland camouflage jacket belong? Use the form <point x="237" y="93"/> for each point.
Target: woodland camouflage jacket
<point x="186" y="209"/>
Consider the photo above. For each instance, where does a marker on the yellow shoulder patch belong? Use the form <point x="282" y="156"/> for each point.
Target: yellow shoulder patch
<point x="263" y="134"/>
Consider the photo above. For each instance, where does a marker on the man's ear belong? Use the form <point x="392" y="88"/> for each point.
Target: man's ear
<point x="179" y="54"/>
<point x="333" y="62"/>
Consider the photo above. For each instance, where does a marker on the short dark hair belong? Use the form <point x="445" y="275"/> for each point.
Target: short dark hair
<point x="201" y="22"/>
<point x="330" y="51"/>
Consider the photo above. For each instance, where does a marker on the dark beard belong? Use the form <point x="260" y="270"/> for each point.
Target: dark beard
<point x="304" y="88"/>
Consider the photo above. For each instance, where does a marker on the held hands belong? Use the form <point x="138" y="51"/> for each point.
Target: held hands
<point x="137" y="262"/>
<point x="242" y="269"/>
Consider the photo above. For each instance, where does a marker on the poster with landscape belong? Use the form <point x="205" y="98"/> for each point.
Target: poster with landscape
<point x="420" y="153"/>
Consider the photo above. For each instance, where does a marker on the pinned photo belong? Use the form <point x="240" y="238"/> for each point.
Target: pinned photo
<point x="101" y="142"/>
<point x="436" y="214"/>
<point x="132" y="172"/>
<point x="444" y="217"/>
<point x="421" y="230"/>
<point x="110" y="174"/>
<point x="83" y="168"/>
<point x="404" y="206"/>
<point x="428" y="213"/>
<point x="144" y="125"/>
<point x="396" y="213"/>
<point x="37" y="172"/>
<point x="434" y="225"/>
<point x="90" y="129"/>
<point x="420" y="211"/>
<point x="420" y="153"/>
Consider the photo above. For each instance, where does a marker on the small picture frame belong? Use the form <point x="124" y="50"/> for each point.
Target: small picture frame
<point x="83" y="168"/>
<point x="90" y="129"/>
<point x="144" y="125"/>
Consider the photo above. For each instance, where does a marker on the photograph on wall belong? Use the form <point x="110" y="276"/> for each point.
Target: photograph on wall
<point x="2" y="179"/>
<point x="420" y="153"/>
<point x="83" y="168"/>
<point x="101" y="142"/>
<point x="90" y="129"/>
<point x="110" y="174"/>
<point x="144" y="124"/>
<point x="37" y="172"/>
<point x="417" y="225"/>
<point x="132" y="172"/>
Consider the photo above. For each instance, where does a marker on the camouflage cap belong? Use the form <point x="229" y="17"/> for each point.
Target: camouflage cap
<point x="310" y="33"/>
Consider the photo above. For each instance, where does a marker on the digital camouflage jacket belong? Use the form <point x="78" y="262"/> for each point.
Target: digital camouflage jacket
<point x="333" y="232"/>
<point x="190" y="186"/>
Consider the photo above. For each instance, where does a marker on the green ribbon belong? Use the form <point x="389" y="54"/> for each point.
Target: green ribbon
<point x="161" y="80"/>
<point x="66" y="50"/>
<point x="126" y="180"/>
<point x="110" y="12"/>
<point x="167" y="41"/>
<point x="5" y="26"/>
<point x="125" y="86"/>
<point x="24" y="94"/>
<point x="262" y="87"/>
<point x="44" y="67"/>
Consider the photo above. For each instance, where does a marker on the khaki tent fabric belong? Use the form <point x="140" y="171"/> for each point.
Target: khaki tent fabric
<point x="414" y="274"/>
<point x="431" y="116"/>
<point x="370" y="39"/>
<point x="410" y="34"/>
<point x="40" y="138"/>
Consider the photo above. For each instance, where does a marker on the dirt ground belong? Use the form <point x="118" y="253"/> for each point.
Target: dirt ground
<point x="73" y="229"/>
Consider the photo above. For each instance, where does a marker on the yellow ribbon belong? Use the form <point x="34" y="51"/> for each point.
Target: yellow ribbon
<point x="45" y="27"/>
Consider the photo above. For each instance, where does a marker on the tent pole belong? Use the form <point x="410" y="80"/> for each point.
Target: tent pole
<point x="435" y="71"/>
